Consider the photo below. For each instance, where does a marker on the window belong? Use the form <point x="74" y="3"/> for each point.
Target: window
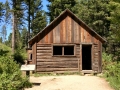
<point x="30" y="56"/>
<point x="57" y="50"/>
<point x="68" y="50"/>
<point x="63" y="50"/>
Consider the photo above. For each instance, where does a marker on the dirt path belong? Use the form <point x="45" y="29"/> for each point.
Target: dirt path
<point x="70" y="82"/>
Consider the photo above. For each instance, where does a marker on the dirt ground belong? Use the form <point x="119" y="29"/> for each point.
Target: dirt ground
<point x="69" y="82"/>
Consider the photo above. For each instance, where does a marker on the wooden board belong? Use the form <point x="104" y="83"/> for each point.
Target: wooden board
<point x="27" y="67"/>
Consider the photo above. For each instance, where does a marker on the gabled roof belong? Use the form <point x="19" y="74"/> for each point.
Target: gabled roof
<point x="75" y="17"/>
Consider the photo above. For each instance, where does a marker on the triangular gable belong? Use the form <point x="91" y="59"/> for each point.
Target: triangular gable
<point x="75" y="17"/>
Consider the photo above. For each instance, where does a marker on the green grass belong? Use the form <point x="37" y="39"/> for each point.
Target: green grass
<point x="56" y="74"/>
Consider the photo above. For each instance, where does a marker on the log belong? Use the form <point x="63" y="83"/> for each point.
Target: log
<point x="44" y="48"/>
<point x="44" y="51"/>
<point x="43" y="57"/>
<point x="55" y="60"/>
<point x="57" y="69"/>
<point x="57" y="66"/>
<point x="44" y="54"/>
<point x="61" y="62"/>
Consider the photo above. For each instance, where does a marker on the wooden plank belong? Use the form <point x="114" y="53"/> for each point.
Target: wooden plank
<point x="82" y="34"/>
<point x="44" y="48"/>
<point x="51" y="36"/>
<point x="66" y="28"/>
<point x="54" y="34"/>
<point x="56" y="69"/>
<point x="64" y="31"/>
<point x="58" y="66"/>
<point x="44" y="54"/>
<point x="79" y="33"/>
<point x="46" y="37"/>
<point x="66" y="71"/>
<point x="43" y="45"/>
<point x="80" y="56"/>
<point x="100" y="61"/>
<point x="75" y="32"/>
<point x="92" y="52"/>
<point x="44" y="51"/>
<point x="41" y="64"/>
<point x="57" y="34"/>
<point x="69" y="30"/>
<point x="34" y="51"/>
<point x="56" y="60"/>
<point x="61" y="32"/>
<point x="43" y="57"/>
<point x="72" y="31"/>
<point x="85" y="36"/>
<point x="78" y="65"/>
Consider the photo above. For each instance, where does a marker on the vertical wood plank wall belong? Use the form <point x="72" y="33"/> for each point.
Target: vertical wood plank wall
<point x="67" y="31"/>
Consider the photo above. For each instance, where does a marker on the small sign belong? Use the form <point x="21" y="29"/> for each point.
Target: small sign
<point x="28" y="67"/>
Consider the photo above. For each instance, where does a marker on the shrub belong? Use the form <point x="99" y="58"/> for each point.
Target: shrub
<point x="111" y="71"/>
<point x="10" y="75"/>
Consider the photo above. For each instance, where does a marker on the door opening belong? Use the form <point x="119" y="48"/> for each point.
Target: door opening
<point x="86" y="57"/>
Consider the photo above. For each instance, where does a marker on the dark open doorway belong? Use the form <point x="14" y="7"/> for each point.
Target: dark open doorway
<point x="86" y="57"/>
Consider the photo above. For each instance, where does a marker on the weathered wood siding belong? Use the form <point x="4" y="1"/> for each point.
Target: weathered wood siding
<point x="66" y="31"/>
<point x="46" y="62"/>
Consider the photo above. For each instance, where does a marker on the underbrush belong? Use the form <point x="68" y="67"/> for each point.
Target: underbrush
<point x="111" y="70"/>
<point x="10" y="75"/>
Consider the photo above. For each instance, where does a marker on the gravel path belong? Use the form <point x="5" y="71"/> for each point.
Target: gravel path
<point x="70" y="82"/>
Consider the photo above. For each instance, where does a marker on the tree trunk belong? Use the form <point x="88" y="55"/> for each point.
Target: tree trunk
<point x="29" y="24"/>
<point x="14" y="27"/>
<point x="13" y="35"/>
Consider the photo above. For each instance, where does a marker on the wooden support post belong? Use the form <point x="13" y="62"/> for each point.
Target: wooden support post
<point x="28" y="74"/>
<point x="78" y="65"/>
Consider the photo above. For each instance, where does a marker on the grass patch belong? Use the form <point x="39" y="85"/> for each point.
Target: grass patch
<point x="56" y="74"/>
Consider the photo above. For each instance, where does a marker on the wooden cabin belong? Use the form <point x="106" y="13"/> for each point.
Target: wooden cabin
<point x="67" y="44"/>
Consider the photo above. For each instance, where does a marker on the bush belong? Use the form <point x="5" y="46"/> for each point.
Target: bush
<point x="10" y="75"/>
<point x="20" y="56"/>
<point x="111" y="71"/>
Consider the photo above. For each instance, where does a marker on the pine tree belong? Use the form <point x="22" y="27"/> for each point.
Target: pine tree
<point x="4" y="33"/>
<point x="114" y="37"/>
<point x="1" y="11"/>
<point x="55" y="7"/>
<point x="35" y="16"/>
<point x="14" y="13"/>
<point x="24" y="37"/>
<point x="94" y="13"/>
<point x="114" y="7"/>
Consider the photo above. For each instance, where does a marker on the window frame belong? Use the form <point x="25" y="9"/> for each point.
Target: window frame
<point x="63" y="45"/>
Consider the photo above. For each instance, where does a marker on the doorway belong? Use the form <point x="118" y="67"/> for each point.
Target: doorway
<point x="86" y="57"/>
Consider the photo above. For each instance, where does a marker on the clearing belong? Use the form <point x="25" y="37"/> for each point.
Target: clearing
<point x="69" y="82"/>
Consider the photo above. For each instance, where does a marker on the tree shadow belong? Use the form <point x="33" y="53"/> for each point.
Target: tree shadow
<point x="3" y="52"/>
